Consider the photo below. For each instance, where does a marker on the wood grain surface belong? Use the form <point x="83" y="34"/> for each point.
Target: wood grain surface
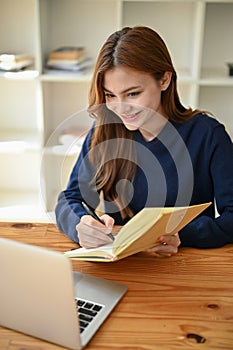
<point x="181" y="302"/>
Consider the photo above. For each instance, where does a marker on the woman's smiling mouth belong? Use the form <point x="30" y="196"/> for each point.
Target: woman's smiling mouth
<point x="130" y="117"/>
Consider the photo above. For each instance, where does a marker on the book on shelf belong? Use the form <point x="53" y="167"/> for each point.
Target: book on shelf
<point x="67" y="74"/>
<point x="13" y="57"/>
<point x="83" y="65"/>
<point x="15" y="62"/>
<point x="56" y="61"/>
<point x="140" y="233"/>
<point x="68" y="59"/>
<point x="67" y="52"/>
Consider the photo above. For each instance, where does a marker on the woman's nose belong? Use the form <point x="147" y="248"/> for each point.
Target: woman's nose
<point x="120" y="107"/>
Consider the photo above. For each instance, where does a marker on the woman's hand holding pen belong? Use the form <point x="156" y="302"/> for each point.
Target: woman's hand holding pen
<point x="93" y="233"/>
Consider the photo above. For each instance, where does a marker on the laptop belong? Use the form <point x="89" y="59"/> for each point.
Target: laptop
<point x="41" y="296"/>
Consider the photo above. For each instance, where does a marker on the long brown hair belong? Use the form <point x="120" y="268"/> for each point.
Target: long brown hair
<point x="142" y="49"/>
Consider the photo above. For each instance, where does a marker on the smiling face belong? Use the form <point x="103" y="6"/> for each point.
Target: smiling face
<point x="135" y="97"/>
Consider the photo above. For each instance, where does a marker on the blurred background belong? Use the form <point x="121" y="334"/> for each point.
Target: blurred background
<point x="47" y="52"/>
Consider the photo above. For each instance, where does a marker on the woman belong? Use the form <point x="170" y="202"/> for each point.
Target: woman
<point x="146" y="149"/>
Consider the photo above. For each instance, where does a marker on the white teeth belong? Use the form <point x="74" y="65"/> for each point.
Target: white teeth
<point x="130" y="116"/>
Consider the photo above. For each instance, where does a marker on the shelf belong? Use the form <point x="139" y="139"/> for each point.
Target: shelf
<point x="76" y="23"/>
<point x="216" y="77"/>
<point x="20" y="170"/>
<point x="60" y="115"/>
<point x="61" y="165"/>
<point x="209" y="97"/>
<point x="217" y="36"/>
<point x="158" y="15"/>
<point x="21" y="75"/>
<point x="37" y="106"/>
<point x="18" y="22"/>
<point x="18" y="141"/>
<point x="66" y="77"/>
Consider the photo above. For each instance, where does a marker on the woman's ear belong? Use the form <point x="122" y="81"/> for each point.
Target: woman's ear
<point x="165" y="80"/>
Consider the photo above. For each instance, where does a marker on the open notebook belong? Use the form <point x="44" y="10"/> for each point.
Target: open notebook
<point x="41" y="296"/>
<point x="141" y="232"/>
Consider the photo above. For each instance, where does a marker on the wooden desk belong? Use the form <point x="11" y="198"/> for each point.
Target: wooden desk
<point x="168" y="298"/>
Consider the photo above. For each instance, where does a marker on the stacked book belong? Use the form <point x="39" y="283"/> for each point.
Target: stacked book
<point x="68" y="58"/>
<point x="12" y="62"/>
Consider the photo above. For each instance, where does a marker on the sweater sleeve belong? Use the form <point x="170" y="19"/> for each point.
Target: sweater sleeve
<point x="69" y="209"/>
<point x="212" y="232"/>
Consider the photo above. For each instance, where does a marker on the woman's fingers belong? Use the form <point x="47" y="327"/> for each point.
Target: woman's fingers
<point x="169" y="246"/>
<point x="92" y="233"/>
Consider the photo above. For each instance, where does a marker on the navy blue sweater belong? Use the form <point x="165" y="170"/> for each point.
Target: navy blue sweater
<point x="189" y="163"/>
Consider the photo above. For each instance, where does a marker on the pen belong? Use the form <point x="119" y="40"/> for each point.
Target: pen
<point x="95" y="216"/>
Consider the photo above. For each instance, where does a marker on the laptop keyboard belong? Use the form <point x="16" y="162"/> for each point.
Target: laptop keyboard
<point x="87" y="311"/>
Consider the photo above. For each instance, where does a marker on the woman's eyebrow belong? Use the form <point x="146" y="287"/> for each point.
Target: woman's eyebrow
<point x="124" y="91"/>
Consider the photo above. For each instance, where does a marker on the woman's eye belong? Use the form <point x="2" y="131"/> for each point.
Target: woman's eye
<point x="108" y="95"/>
<point x="134" y="93"/>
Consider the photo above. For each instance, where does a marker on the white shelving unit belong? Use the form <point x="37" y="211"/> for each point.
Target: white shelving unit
<point x="36" y="107"/>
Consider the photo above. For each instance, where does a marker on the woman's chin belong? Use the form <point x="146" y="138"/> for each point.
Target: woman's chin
<point x="131" y="127"/>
